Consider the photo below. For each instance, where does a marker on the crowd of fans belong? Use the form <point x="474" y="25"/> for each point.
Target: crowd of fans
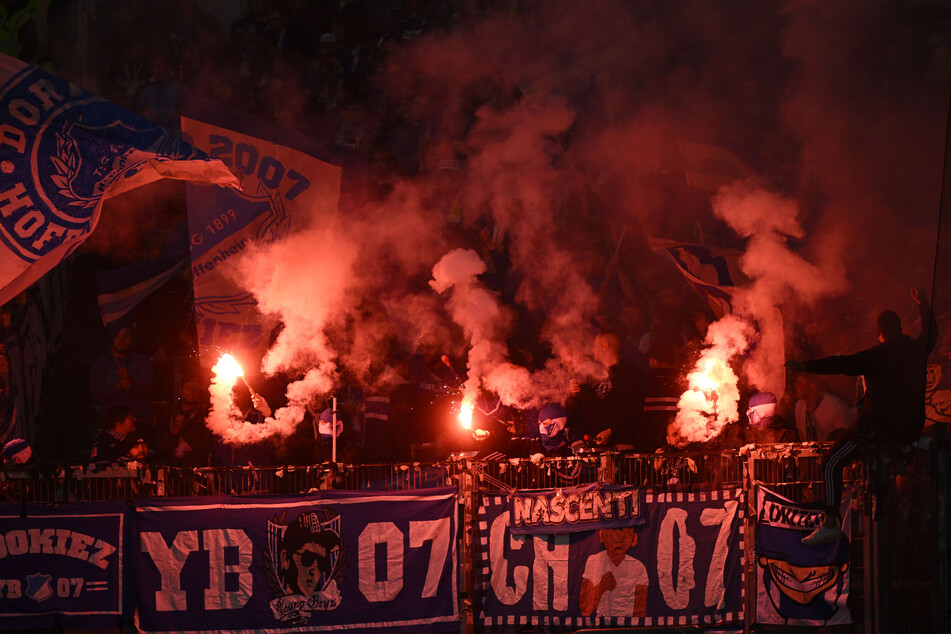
<point x="315" y="67"/>
<point x="631" y="409"/>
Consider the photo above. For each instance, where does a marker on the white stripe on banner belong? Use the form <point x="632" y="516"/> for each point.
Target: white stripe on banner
<point x="115" y="306"/>
<point x="316" y="500"/>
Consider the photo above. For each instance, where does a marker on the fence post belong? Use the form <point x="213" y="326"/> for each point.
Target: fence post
<point x="749" y="535"/>
<point x="606" y="471"/>
<point x="468" y="492"/>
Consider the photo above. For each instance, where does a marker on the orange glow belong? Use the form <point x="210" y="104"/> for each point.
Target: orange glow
<point x="227" y="369"/>
<point x="465" y="414"/>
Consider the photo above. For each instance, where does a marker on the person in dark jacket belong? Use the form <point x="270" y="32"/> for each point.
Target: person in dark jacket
<point x="609" y="410"/>
<point x="891" y="413"/>
<point x="113" y="443"/>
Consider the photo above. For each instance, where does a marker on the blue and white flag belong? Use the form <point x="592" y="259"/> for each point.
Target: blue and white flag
<point x="706" y="269"/>
<point x="681" y="564"/>
<point x="65" y="566"/>
<point x="122" y="291"/>
<point x="63" y="152"/>
<point x="282" y="187"/>
<point x="339" y="561"/>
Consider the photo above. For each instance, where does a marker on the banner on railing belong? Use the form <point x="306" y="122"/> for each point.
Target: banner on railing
<point x="799" y="585"/>
<point x="574" y="509"/>
<point x="340" y="561"/>
<point x="63" y="566"/>
<point x="683" y="565"/>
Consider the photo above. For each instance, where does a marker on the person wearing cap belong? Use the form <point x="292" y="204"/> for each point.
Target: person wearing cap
<point x="348" y="449"/>
<point x="765" y="425"/>
<point x="554" y="434"/>
<point x="139" y="450"/>
<point x="892" y="412"/>
<point x="17" y="452"/>
<point x="112" y="443"/>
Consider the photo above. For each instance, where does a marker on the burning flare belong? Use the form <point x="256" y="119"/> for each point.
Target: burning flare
<point x="227" y="422"/>
<point x="465" y="413"/>
<point x="710" y="402"/>
<point x="228" y="370"/>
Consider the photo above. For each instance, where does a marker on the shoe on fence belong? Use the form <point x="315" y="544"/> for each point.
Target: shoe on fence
<point x="822" y="535"/>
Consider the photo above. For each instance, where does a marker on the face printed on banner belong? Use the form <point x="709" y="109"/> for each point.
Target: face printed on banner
<point x="805" y="583"/>
<point x="308" y="554"/>
<point x="617" y="541"/>
<point x="802" y="583"/>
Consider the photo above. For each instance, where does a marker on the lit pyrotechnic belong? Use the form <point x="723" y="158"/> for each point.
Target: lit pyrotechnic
<point x="228" y="370"/>
<point x="226" y="421"/>
<point x="465" y="413"/>
<point x="710" y="401"/>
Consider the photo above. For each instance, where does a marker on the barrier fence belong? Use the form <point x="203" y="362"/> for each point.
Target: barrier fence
<point x="894" y="561"/>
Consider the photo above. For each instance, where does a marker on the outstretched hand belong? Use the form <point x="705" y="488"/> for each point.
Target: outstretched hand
<point x="795" y="365"/>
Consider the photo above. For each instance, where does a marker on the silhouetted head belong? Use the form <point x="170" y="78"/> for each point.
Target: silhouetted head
<point x="889" y="325"/>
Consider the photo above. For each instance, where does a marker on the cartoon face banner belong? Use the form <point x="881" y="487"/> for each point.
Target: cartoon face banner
<point x="683" y="565"/>
<point x="345" y="560"/>
<point x="574" y="509"/>
<point x="282" y="187"/>
<point x="63" y="566"/>
<point x="799" y="585"/>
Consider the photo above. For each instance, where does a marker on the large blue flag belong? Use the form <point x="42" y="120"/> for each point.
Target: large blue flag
<point x="63" y="152"/>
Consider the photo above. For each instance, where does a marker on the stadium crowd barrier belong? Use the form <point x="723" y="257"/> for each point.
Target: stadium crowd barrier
<point x="792" y="470"/>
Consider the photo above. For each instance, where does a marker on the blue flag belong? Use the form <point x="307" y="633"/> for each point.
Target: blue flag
<point x="63" y="152"/>
<point x="283" y="187"/>
<point x="122" y="291"/>
<point x="706" y="269"/>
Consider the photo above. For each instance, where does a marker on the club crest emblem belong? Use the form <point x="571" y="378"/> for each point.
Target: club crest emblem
<point x="39" y="587"/>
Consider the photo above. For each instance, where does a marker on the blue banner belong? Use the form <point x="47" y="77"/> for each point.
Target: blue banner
<point x="63" y="566"/>
<point x="800" y="585"/>
<point x="682" y="566"/>
<point x="574" y="509"/>
<point x="341" y="560"/>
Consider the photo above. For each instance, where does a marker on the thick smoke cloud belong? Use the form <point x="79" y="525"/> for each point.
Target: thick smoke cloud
<point x="562" y="127"/>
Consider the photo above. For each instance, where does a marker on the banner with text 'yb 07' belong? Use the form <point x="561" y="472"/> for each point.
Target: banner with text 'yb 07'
<point x="283" y="188"/>
<point x="353" y="561"/>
